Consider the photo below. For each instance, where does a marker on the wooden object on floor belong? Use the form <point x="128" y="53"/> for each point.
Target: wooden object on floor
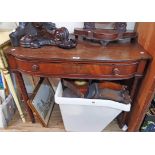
<point x="146" y="33"/>
<point x="86" y="61"/>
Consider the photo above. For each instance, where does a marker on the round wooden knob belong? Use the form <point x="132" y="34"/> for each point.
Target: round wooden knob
<point x="116" y="71"/>
<point x="35" y="68"/>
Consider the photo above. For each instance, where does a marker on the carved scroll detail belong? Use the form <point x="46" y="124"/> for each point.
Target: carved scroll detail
<point x="38" y="34"/>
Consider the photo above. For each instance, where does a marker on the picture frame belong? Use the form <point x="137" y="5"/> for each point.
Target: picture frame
<point x="42" y="101"/>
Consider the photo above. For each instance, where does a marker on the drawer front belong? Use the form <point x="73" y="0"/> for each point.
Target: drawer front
<point x="46" y="68"/>
<point x="108" y="69"/>
<point x="86" y="69"/>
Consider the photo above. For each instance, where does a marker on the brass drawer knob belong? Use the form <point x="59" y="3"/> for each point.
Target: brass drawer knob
<point x="116" y="71"/>
<point x="35" y="68"/>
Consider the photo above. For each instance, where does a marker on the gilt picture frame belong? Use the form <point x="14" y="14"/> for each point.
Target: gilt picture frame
<point x="42" y="101"/>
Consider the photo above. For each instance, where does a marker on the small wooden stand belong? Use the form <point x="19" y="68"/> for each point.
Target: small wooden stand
<point x="96" y="31"/>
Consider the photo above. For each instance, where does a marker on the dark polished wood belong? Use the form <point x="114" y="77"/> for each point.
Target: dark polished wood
<point x="38" y="34"/>
<point x="85" y="52"/>
<point x="86" y="61"/>
<point x="104" y="33"/>
<point x="101" y="34"/>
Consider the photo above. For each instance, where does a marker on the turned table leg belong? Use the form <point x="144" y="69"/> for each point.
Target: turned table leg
<point x="24" y="94"/>
<point x="123" y="118"/>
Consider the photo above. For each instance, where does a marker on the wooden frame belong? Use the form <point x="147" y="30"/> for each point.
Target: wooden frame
<point x="42" y="101"/>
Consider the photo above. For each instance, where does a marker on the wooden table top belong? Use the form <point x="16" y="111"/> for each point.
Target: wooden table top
<point x="85" y="51"/>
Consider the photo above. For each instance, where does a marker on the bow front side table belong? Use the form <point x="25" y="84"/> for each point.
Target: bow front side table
<point x="86" y="61"/>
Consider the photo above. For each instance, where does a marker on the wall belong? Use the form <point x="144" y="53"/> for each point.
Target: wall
<point x="7" y="25"/>
<point x="69" y="25"/>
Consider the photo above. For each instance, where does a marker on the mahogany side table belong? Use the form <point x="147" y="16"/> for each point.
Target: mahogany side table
<point x="86" y="61"/>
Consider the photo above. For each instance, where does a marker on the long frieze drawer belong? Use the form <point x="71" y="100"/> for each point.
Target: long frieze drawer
<point x="46" y="68"/>
<point x="107" y="69"/>
<point x="98" y="69"/>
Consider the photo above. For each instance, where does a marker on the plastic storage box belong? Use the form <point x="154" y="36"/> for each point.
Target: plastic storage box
<point x="80" y="114"/>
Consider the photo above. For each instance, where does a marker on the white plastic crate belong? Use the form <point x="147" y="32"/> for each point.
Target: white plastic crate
<point x="80" y="114"/>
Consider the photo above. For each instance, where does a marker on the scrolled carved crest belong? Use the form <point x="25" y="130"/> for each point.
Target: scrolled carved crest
<point x="38" y="34"/>
<point x="120" y="26"/>
<point x="89" y="25"/>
